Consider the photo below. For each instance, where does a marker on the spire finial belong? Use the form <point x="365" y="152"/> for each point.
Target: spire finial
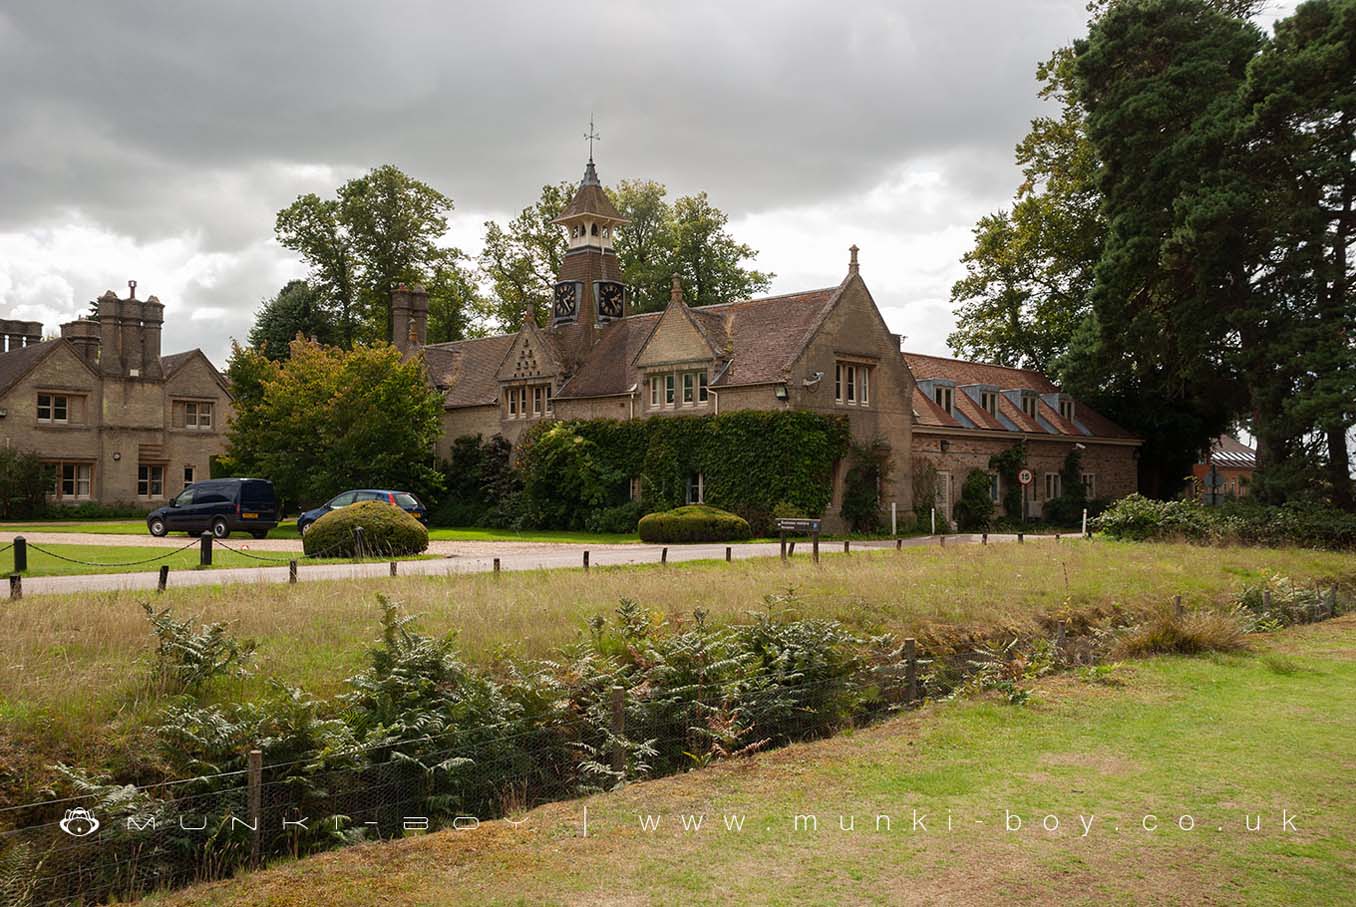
<point x="592" y="135"/>
<point x="852" y="258"/>
<point x="676" y="290"/>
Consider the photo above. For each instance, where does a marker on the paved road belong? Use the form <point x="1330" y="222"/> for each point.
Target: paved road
<point x="513" y="557"/>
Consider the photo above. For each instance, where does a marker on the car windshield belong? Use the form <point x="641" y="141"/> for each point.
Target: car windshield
<point x="407" y="501"/>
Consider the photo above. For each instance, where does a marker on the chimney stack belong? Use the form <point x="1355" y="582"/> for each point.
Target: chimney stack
<point x="84" y="336"/>
<point x="409" y="318"/>
<point x="129" y="335"/>
<point x="18" y="334"/>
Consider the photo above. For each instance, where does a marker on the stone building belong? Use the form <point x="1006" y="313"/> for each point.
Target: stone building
<point x="965" y="412"/>
<point x="826" y="350"/>
<point x="116" y="422"/>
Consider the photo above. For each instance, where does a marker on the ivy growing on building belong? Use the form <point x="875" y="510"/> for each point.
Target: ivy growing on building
<point x="1007" y="464"/>
<point x="574" y="472"/>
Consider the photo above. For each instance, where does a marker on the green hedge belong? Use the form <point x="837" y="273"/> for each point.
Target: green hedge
<point x="694" y="523"/>
<point x="750" y="462"/>
<point x="1138" y="518"/>
<point x="387" y="532"/>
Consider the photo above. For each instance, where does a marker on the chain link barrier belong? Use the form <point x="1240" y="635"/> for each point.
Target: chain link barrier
<point x="72" y="560"/>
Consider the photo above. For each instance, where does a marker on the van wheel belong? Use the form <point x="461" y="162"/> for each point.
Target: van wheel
<point x="220" y="529"/>
<point x="157" y="527"/>
<point x="260" y="535"/>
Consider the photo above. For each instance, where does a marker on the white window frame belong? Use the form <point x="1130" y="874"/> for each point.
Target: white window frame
<point x="655" y="382"/>
<point x="538" y="400"/>
<point x="700" y="487"/>
<point x="1066" y="409"/>
<point x="512" y="401"/>
<point x="703" y="387"/>
<point x="689" y="388"/>
<point x="1031" y="406"/>
<point x="838" y="382"/>
<point x="1053" y="480"/>
<point x="1089" y="485"/>
<point x="851" y="384"/>
<point x="198" y="415"/>
<point x="81" y="480"/>
<point x="995" y="487"/>
<point x="670" y="389"/>
<point x="988" y="401"/>
<point x="190" y="475"/>
<point x="550" y="401"/>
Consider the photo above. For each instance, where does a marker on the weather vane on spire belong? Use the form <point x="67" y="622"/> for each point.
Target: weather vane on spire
<point x="592" y="135"/>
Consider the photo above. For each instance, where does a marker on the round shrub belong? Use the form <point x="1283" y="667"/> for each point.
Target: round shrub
<point x="694" y="523"/>
<point x="388" y="531"/>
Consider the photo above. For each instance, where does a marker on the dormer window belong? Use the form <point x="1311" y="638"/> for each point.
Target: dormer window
<point x="1066" y="409"/>
<point x="988" y="400"/>
<point x="945" y="397"/>
<point x="1030" y="405"/>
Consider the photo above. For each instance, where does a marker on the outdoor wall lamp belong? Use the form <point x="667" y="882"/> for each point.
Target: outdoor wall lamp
<point x="117" y="455"/>
<point x="781" y="392"/>
<point x="945" y="445"/>
<point x="3" y="412"/>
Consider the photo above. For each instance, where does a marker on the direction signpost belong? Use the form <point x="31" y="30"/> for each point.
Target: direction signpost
<point x="785" y="525"/>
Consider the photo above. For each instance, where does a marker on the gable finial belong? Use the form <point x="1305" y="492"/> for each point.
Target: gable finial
<point x="676" y="290"/>
<point x="852" y="258"/>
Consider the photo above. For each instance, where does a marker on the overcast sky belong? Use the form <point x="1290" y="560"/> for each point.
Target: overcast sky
<point x="156" y="142"/>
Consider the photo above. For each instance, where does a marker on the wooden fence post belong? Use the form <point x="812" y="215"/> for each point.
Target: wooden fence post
<point x="1021" y="538"/>
<point x="984" y="538"/>
<point x="1332" y="600"/>
<point x="791" y="548"/>
<point x="782" y="537"/>
<point x="393" y="568"/>
<point x="941" y="541"/>
<point x="1177" y="609"/>
<point x="586" y="561"/>
<point x="1266" y="600"/>
<point x="16" y="586"/>
<point x="664" y="555"/>
<point x="911" y="668"/>
<point x="618" y="728"/>
<point x="847" y="546"/>
<point x="814" y="547"/>
<point x="496" y="566"/>
<point x="255" y="797"/>
<point x="292" y="572"/>
<point x="729" y="554"/>
<point x="164" y="578"/>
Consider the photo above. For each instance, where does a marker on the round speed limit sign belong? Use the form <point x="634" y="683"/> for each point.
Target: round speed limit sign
<point x="1025" y="477"/>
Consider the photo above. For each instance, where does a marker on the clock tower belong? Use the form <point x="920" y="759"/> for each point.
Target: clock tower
<point x="589" y="291"/>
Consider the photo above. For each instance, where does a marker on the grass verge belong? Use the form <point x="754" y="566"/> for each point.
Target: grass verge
<point x="1207" y="744"/>
<point x="74" y="560"/>
<point x="288" y="530"/>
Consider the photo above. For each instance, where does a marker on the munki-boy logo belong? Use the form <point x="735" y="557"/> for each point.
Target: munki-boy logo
<point x="79" y="823"/>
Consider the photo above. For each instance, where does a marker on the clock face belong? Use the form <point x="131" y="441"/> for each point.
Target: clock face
<point x="567" y="301"/>
<point x="610" y="299"/>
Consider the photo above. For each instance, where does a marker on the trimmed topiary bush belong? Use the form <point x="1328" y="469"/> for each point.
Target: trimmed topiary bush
<point x="388" y="531"/>
<point x="694" y="523"/>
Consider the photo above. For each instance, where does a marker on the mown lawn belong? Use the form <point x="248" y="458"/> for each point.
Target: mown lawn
<point x="73" y="668"/>
<point x="1164" y="770"/>
<point x="288" y="530"/>
<point x="69" y="560"/>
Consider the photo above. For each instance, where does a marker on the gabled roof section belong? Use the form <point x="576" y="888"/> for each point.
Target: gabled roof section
<point x="464" y="370"/>
<point x="760" y="339"/>
<point x="1010" y="417"/>
<point x="17" y="363"/>
<point x="175" y="361"/>
<point x="532" y="354"/>
<point x="590" y="198"/>
<point x="684" y="338"/>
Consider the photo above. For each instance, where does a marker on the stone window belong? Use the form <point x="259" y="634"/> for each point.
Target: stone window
<point x="852" y="384"/>
<point x="702" y="390"/>
<point x="668" y="390"/>
<point x="1089" y="485"/>
<point x="679" y="388"/>
<point x="1052" y="486"/>
<point x="54" y="408"/>
<point x="71" y="481"/>
<point x="528" y="401"/>
<point x="689" y="388"/>
<point x="198" y="415"/>
<point x="995" y="488"/>
<point x="189" y="473"/>
<point x="150" y="480"/>
<point x="696" y="489"/>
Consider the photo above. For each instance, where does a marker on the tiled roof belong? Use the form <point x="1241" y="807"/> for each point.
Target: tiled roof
<point x="17" y="363"/>
<point x="1010" y="417"/>
<point x="1227" y="450"/>
<point x="465" y="369"/>
<point x="168" y="364"/>
<point x="590" y="198"/>
<point x="760" y="338"/>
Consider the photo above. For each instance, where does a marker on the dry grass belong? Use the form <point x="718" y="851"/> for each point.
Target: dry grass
<point x="70" y="666"/>
<point x="1187" y="634"/>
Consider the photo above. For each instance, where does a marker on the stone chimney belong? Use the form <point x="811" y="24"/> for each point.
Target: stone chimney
<point x="852" y="259"/>
<point x="129" y="335"/>
<point x="409" y="318"/>
<point x="84" y="336"/>
<point x="18" y="334"/>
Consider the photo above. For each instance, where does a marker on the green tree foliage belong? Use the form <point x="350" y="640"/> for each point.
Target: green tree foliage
<point x="1008" y="463"/>
<point x="868" y="472"/>
<point x="24" y="483"/>
<point x="688" y="238"/>
<point x="297" y="309"/>
<point x="974" y="510"/>
<point x="480" y="485"/>
<point x="382" y="229"/>
<point x="521" y="261"/>
<point x="327" y="419"/>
